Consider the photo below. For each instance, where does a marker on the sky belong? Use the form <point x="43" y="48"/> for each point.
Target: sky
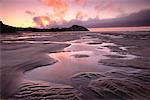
<point x="64" y="13"/>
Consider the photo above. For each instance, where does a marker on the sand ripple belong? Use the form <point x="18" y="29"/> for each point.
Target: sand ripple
<point x="31" y="90"/>
<point x="115" y="84"/>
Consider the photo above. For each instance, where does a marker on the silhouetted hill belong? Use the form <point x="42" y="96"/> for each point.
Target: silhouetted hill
<point x="11" y="29"/>
<point x="6" y="28"/>
<point x="75" y="28"/>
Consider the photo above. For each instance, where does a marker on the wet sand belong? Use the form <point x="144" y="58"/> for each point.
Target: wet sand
<point x="74" y="66"/>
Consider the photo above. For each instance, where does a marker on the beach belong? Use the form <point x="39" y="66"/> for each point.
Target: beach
<point x="76" y="65"/>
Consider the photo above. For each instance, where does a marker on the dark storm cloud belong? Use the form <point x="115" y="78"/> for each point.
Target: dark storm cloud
<point x="140" y="18"/>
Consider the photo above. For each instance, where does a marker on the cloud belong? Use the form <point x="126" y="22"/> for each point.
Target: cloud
<point x="108" y="6"/>
<point x="80" y="15"/>
<point x="80" y="1"/>
<point x="43" y="21"/>
<point x="140" y="18"/>
<point x="60" y="7"/>
<point x="30" y="12"/>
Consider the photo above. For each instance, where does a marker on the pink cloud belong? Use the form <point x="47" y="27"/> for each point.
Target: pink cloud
<point x="109" y="7"/>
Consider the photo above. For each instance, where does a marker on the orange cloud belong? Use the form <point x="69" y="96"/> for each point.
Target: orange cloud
<point x="43" y="21"/>
<point x="60" y="7"/>
<point x="57" y="17"/>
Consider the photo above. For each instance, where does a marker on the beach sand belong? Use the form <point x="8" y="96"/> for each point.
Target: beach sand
<point x="129" y="77"/>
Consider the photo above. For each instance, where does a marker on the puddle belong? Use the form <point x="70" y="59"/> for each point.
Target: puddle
<point x="67" y="66"/>
<point x="78" y="57"/>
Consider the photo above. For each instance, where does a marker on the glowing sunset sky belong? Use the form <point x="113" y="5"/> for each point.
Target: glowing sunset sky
<point x="59" y="13"/>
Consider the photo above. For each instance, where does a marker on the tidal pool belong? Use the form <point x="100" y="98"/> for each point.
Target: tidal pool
<point x="80" y="56"/>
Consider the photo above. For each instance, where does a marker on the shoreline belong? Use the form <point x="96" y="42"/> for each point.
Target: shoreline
<point x="26" y="56"/>
<point x="18" y="58"/>
<point x="19" y="65"/>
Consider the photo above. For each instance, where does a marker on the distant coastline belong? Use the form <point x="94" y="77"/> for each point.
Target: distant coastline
<point x="11" y="29"/>
<point x="111" y="29"/>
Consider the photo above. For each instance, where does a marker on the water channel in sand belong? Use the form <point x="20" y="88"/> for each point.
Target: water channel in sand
<point x="80" y="56"/>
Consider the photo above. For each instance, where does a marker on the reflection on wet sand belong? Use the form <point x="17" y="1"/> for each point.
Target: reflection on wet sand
<point x="69" y="65"/>
<point x="80" y="56"/>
